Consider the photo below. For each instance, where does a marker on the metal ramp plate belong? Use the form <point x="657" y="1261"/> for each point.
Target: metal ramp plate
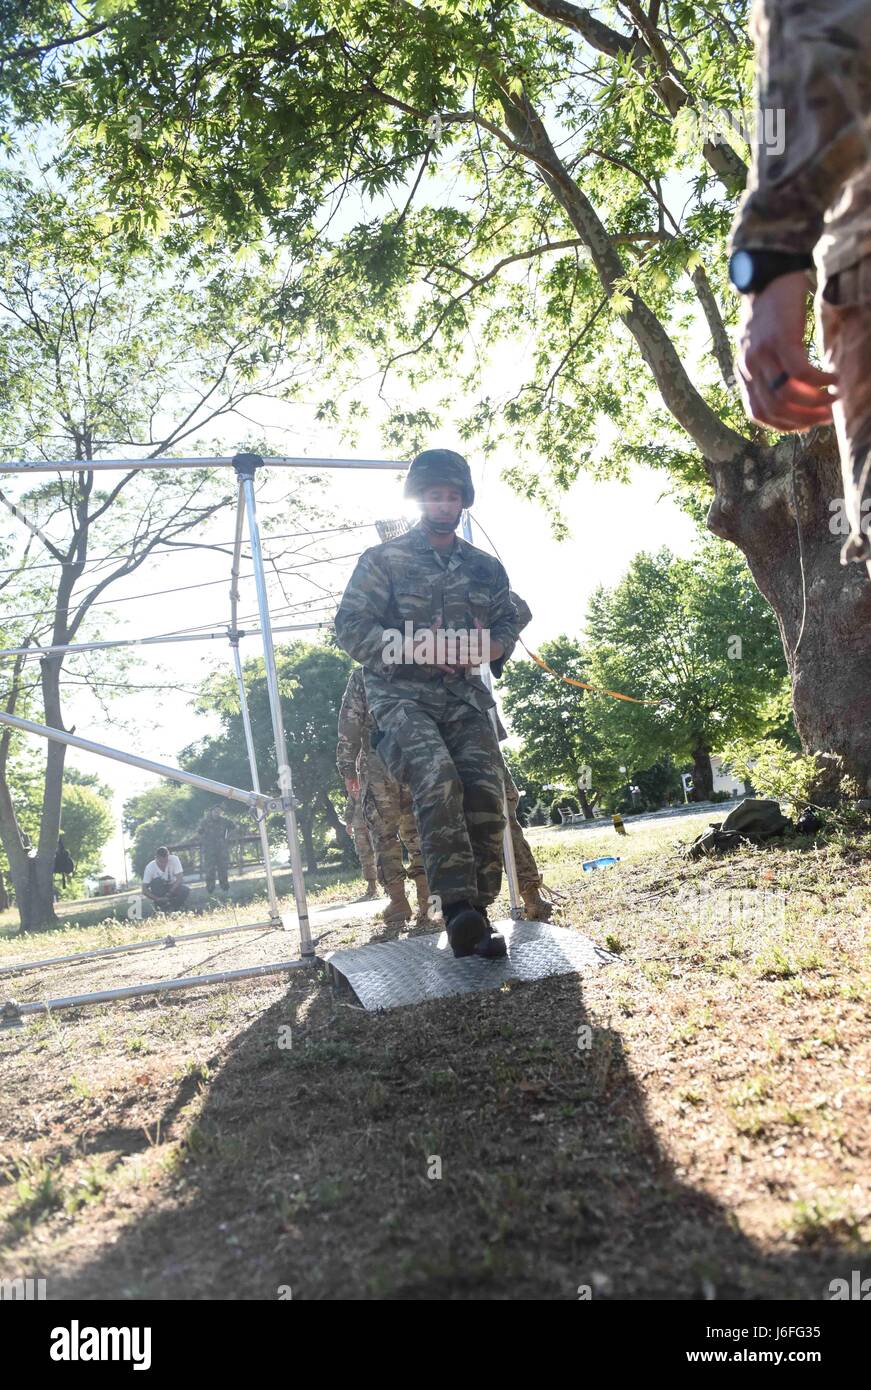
<point x="389" y="974"/>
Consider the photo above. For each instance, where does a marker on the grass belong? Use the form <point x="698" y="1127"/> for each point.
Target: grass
<point x="691" y="1116"/>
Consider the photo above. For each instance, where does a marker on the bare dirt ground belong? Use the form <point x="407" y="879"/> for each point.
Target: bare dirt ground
<point x="689" y="1122"/>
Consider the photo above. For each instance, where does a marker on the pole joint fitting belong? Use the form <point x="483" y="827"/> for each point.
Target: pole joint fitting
<point x="246" y="465"/>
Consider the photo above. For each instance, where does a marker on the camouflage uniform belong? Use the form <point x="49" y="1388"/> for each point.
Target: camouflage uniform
<point x="214" y="832"/>
<point x="357" y="828"/>
<point x="814" y="195"/>
<point x="528" y="878"/>
<point x="386" y="803"/>
<point x="433" y="729"/>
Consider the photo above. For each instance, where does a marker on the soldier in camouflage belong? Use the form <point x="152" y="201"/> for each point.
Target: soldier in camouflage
<point x="355" y="824"/>
<point x="214" y="832"/>
<point x="431" y="709"/>
<point x="385" y="803"/>
<point x="808" y="204"/>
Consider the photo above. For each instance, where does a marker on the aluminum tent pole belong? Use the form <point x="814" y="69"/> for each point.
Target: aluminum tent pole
<point x="175" y="774"/>
<point x="135" y="465"/>
<point x="166" y="941"/>
<point x="246" y="467"/>
<point x="274" y="909"/>
<point x="507" y="842"/>
<point x="11" y="1012"/>
<point x="33" y="650"/>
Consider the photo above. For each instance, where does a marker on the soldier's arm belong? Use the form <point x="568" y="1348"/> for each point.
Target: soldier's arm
<point x="363" y="612"/>
<point x="352" y="716"/>
<point x="504" y="621"/>
<point x="813" y="65"/>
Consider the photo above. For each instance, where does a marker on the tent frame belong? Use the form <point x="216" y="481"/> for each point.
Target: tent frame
<point x="245" y="466"/>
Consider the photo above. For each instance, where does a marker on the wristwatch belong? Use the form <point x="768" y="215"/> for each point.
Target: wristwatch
<point x="751" y="271"/>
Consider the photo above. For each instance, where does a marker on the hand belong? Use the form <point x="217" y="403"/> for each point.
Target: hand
<point x="352" y="787"/>
<point x="771" y="346"/>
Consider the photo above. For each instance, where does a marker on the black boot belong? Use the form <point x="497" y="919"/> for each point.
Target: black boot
<point x="466" y="927"/>
<point x="492" y="945"/>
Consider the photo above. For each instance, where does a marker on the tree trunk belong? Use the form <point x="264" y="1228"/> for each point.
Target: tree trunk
<point x="305" y="821"/>
<point x="4" y="893"/>
<point x="828" y="650"/>
<point x="585" y="805"/>
<point x="34" y="893"/>
<point x="703" y="772"/>
<point x="343" y="839"/>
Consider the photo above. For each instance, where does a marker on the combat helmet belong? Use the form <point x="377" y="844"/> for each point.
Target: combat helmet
<point x="440" y="467"/>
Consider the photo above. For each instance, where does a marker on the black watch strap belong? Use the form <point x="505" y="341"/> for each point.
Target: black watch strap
<point x="751" y="271"/>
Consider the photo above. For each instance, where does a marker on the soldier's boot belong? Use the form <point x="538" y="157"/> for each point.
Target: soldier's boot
<point x="538" y="909"/>
<point x="492" y="945"/>
<point x="466" y="926"/>
<point x="398" y="910"/>
<point x="422" y="889"/>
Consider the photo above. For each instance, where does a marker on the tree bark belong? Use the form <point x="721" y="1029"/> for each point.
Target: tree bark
<point x="305" y="821"/>
<point x="703" y="772"/>
<point x="34" y="895"/>
<point x="585" y="805"/>
<point x="343" y="839"/>
<point x="4" y="893"/>
<point x="825" y="619"/>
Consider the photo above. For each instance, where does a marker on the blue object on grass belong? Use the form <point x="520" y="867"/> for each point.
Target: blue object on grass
<point x="600" y="863"/>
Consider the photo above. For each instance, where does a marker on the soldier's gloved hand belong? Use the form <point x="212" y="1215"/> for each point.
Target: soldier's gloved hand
<point x="352" y="786"/>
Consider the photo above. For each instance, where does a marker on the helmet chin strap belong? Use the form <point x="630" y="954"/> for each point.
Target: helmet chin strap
<point x="442" y="528"/>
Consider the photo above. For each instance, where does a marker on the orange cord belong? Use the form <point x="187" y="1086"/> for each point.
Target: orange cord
<point x="596" y="689"/>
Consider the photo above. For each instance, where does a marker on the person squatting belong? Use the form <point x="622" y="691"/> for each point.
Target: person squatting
<point x="433" y="730"/>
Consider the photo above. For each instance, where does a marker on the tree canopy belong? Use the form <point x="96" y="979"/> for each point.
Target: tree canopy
<point x="312" y="680"/>
<point x="692" y="640"/>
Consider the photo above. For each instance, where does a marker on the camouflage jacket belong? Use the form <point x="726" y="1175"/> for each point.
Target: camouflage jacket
<point x="406" y="581"/>
<point x="355" y="726"/>
<point x="215" y="831"/>
<point x="810" y="178"/>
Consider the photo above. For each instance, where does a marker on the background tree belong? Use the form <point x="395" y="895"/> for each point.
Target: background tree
<point x="312" y="681"/>
<point x="106" y="347"/>
<point x="596" y="164"/>
<point x="86" y="825"/>
<point x="695" y="639"/>
<point x="530" y="788"/>
<point x="165" y="814"/>
<point x="553" y="719"/>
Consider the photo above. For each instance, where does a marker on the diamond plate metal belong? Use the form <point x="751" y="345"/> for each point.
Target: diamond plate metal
<point x="387" y="975"/>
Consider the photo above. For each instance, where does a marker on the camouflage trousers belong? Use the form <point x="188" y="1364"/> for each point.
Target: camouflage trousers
<point x="389" y="812"/>
<point x="843" y="313"/>
<point x="527" y="869"/>
<point x="216" y="863"/>
<point x="359" y="832"/>
<point x="447" y="752"/>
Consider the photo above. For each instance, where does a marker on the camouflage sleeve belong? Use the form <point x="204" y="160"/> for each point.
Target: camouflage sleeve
<point x="352" y="718"/>
<point x="504" y="620"/>
<point x="524" y="612"/>
<point x="812" y="86"/>
<point x="363" y="613"/>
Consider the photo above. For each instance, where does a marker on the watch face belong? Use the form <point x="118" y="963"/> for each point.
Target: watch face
<point x="741" y="270"/>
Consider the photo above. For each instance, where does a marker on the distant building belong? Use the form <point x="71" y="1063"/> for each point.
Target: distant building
<point x="725" y="780"/>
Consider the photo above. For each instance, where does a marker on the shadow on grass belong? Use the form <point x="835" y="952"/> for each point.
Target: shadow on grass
<point x="461" y="1149"/>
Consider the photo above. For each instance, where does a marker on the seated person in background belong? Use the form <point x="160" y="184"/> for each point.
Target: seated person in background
<point x="163" y="881"/>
